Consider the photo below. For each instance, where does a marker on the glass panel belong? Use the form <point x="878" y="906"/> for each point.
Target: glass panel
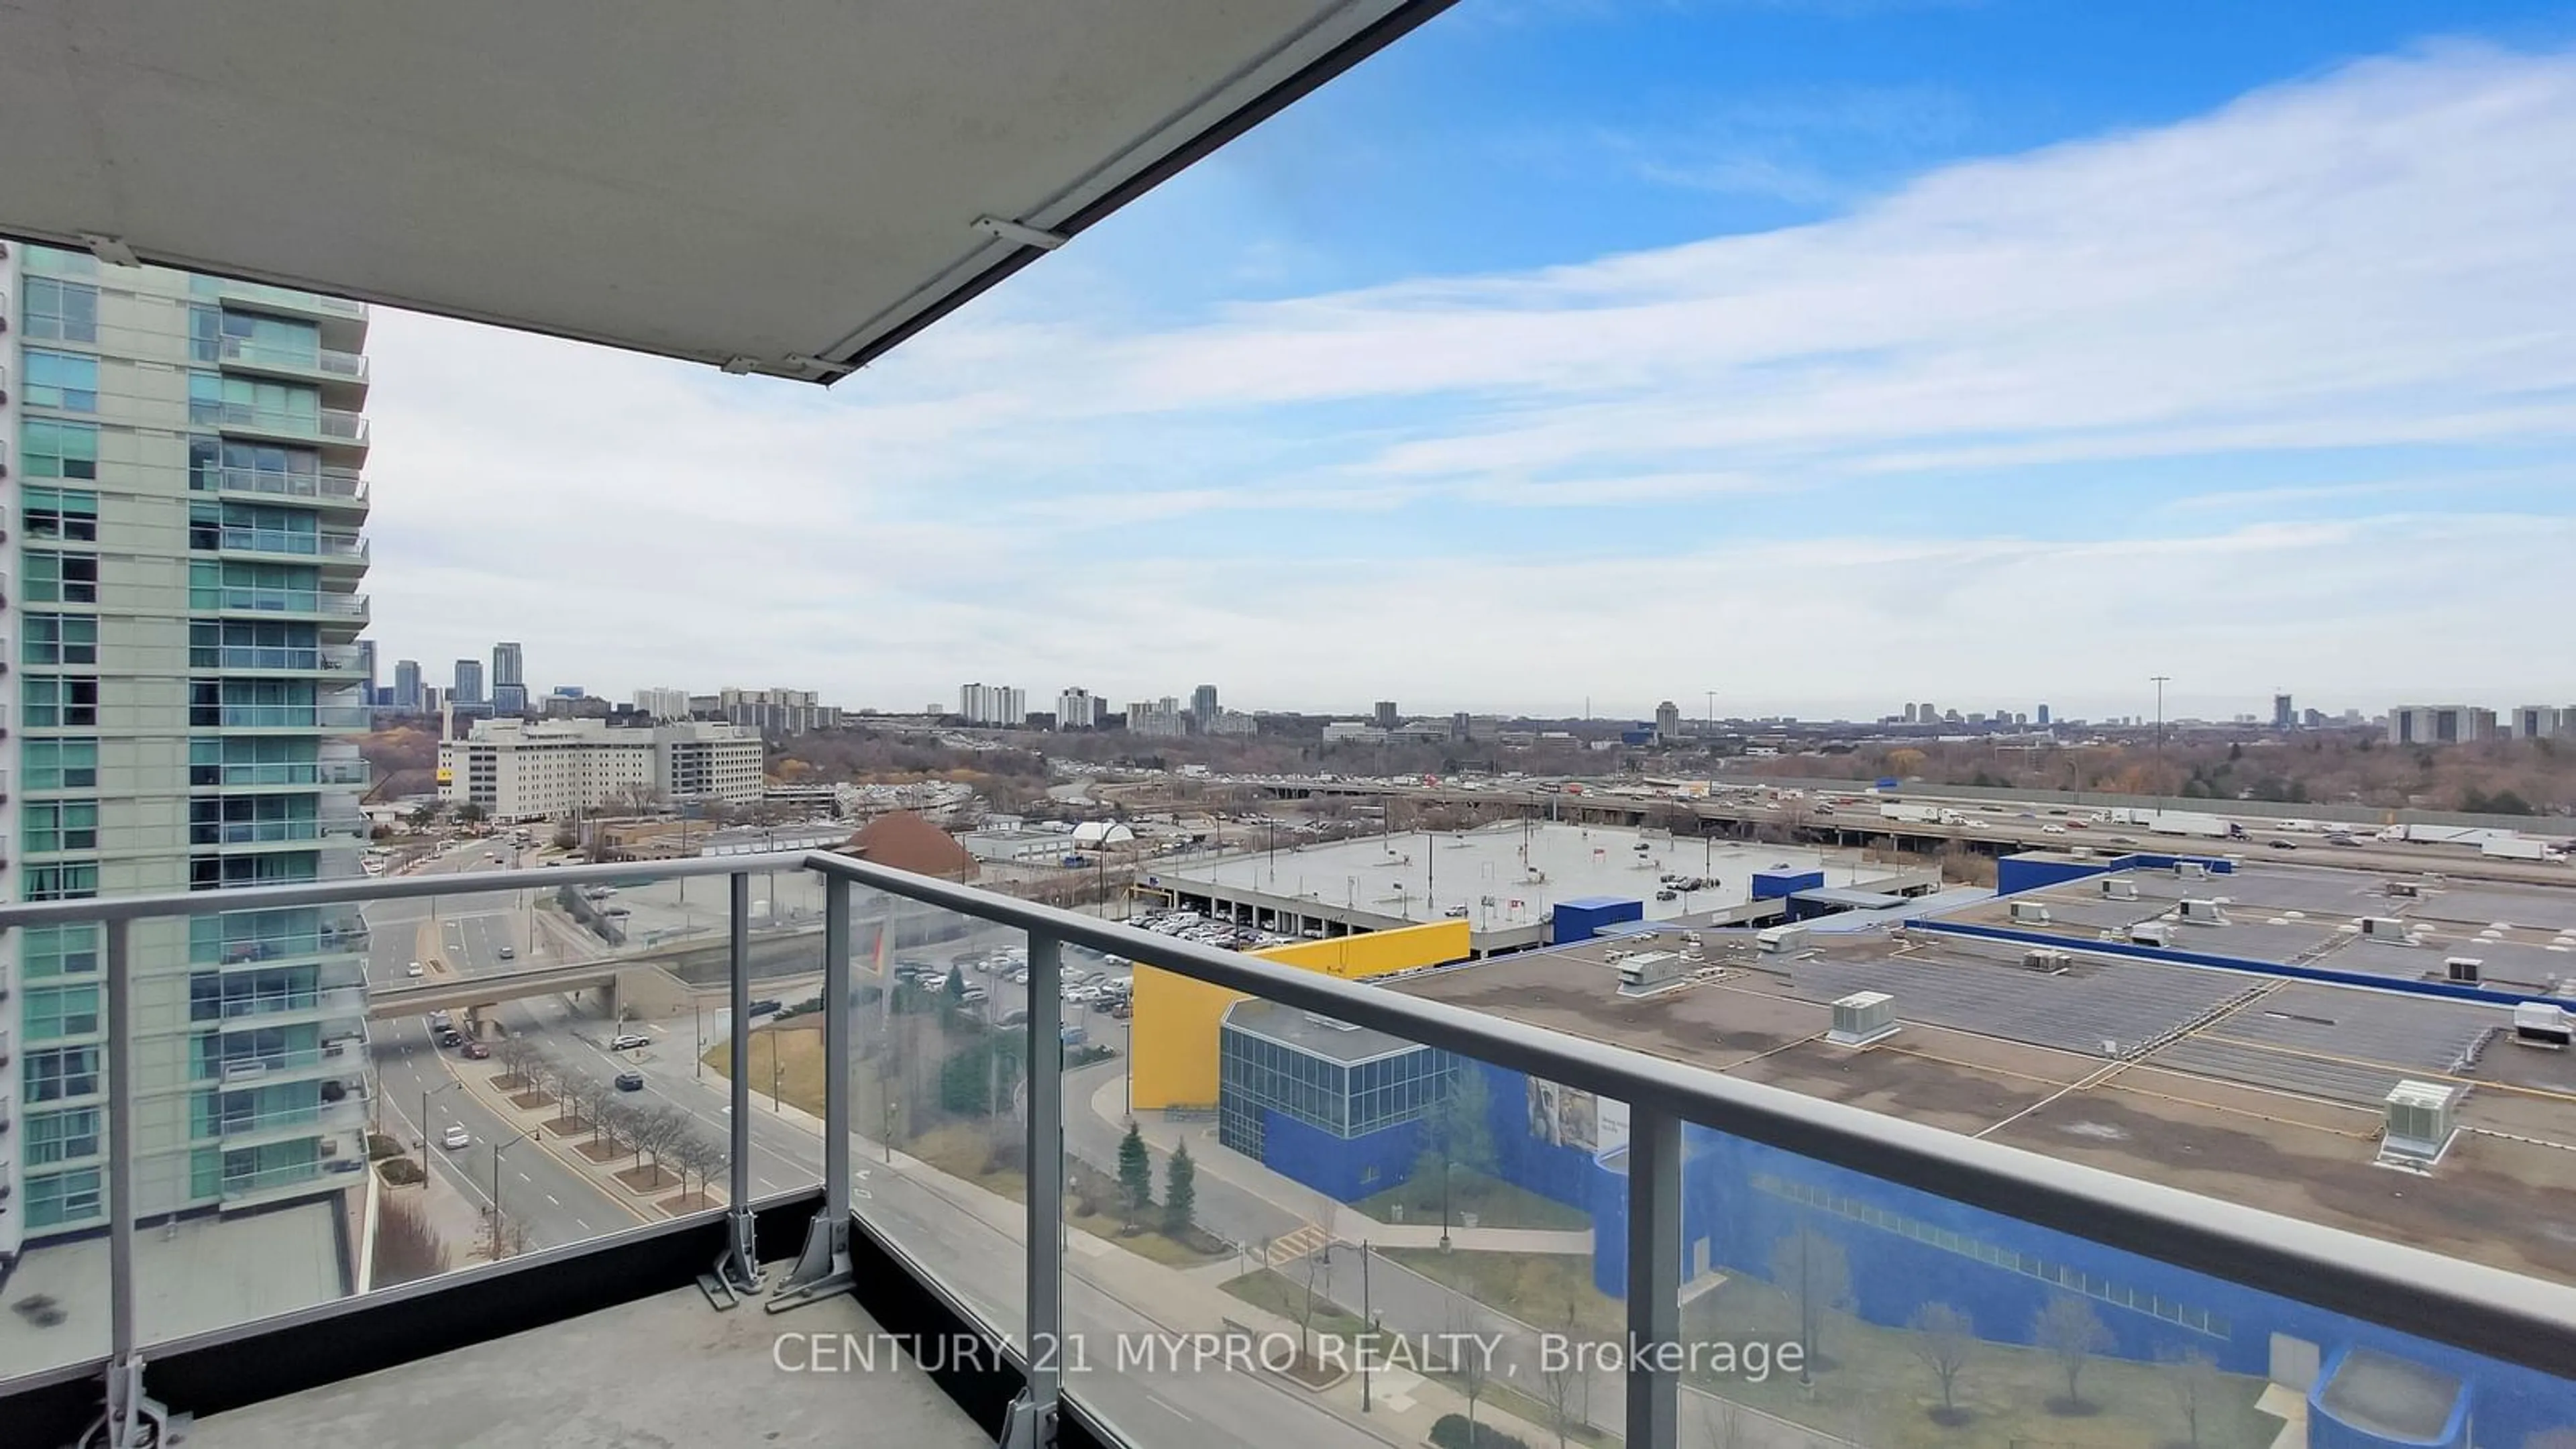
<point x="936" y="1046"/>
<point x="1358" y="1210"/>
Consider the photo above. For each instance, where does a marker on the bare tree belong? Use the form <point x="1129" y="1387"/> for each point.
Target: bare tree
<point x="1812" y="1269"/>
<point x="1467" y="1365"/>
<point x="2071" y="1332"/>
<point x="613" y="1122"/>
<point x="1942" y="1337"/>
<point x="1557" y="1383"/>
<point x="545" y="1074"/>
<point x="1723" y="1427"/>
<point x="2191" y="1376"/>
<point x="515" y="1054"/>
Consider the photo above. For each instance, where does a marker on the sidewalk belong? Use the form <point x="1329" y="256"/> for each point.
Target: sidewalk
<point x="1109" y="1102"/>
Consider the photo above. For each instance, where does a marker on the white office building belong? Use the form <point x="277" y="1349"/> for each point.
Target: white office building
<point x="521" y="770"/>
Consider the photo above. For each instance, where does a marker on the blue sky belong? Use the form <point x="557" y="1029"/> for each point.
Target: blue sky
<point x="1828" y="355"/>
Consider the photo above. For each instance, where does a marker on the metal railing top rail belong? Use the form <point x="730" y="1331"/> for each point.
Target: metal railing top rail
<point x="361" y="889"/>
<point x="2505" y="1316"/>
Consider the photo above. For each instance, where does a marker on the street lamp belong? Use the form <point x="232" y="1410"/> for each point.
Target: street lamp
<point x="425" y="1094"/>
<point x="497" y="1149"/>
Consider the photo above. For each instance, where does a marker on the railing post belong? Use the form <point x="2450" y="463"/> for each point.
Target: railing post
<point x="133" y="1418"/>
<point x="737" y="1272"/>
<point x="824" y="1268"/>
<point x="1654" y="1277"/>
<point x="1033" y="1414"/>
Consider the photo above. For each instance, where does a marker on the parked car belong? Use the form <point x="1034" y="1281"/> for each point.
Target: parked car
<point x="477" y="1051"/>
<point x="763" y="1007"/>
<point x="630" y="1081"/>
<point x="629" y="1041"/>
<point x="451" y="1038"/>
<point x="455" y="1137"/>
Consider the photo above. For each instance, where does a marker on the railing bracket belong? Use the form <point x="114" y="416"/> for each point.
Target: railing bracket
<point x="1031" y="1425"/>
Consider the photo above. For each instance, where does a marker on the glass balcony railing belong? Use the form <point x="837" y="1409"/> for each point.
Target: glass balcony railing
<point x="281" y="601"/>
<point x="328" y="486"/>
<point x="1399" y="1209"/>
<point x="321" y="362"/>
<point x="329" y="547"/>
<point x="287" y="298"/>
<point x="324" y="424"/>
<point x="341" y="718"/>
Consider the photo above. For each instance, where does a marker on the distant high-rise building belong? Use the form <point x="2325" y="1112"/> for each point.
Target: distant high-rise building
<point x="2439" y="724"/>
<point x="1077" y="708"/>
<point x="1668" y="721"/>
<point x="663" y="704"/>
<point x="506" y="667"/>
<point x="1151" y="717"/>
<point x="1926" y="714"/>
<point x="1462" y="726"/>
<point x="407" y="696"/>
<point x="509" y="699"/>
<point x="367" y="666"/>
<point x="1910" y="713"/>
<point x="998" y="706"/>
<point x="2043" y="716"/>
<point x="774" y="711"/>
<point x="2314" y="719"/>
<point x="1203" y="706"/>
<point x="2543" y="721"/>
<point x="1387" y="718"/>
<point x="2284" y="717"/>
<point x="2021" y="717"/>
<point x="468" y="688"/>
<point x="1233" y="722"/>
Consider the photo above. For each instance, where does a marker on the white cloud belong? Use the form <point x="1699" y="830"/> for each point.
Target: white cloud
<point x="2377" y="257"/>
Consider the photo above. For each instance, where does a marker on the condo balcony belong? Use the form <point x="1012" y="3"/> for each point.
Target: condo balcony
<point x="1634" y="1210"/>
<point x="342" y="375"/>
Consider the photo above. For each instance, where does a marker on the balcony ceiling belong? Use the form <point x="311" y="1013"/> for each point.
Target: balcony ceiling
<point x="791" y="187"/>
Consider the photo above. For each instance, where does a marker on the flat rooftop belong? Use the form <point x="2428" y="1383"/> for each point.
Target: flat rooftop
<point x="191" y="1276"/>
<point x="1338" y="1041"/>
<point x="2257" y="1090"/>
<point x="2285" y="915"/>
<point x="1420" y="877"/>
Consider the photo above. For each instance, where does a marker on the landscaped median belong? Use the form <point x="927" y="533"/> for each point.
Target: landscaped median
<point x="650" y="1160"/>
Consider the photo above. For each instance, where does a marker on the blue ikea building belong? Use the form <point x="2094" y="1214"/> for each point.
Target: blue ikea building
<point x="1339" y="1108"/>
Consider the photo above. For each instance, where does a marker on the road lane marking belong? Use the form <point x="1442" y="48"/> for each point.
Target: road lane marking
<point x="558" y="1202"/>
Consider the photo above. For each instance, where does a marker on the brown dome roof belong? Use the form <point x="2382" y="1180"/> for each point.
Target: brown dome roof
<point x="905" y="841"/>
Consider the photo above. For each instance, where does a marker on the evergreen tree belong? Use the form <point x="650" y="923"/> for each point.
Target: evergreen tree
<point x="1180" y="1193"/>
<point x="1135" y="1175"/>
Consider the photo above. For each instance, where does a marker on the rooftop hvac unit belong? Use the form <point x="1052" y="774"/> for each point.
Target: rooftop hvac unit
<point x="2047" y="959"/>
<point x="1782" y="940"/>
<point x="2151" y="933"/>
<point x="1862" y="1018"/>
<point x="2418" y="1123"/>
<point x="2191" y="869"/>
<point x="2539" y="1024"/>
<point x="2119" y="888"/>
<point x="2463" y="969"/>
<point x="2203" y="913"/>
<point x="2030" y="912"/>
<point x="2382" y="926"/>
<point x="1647" y="970"/>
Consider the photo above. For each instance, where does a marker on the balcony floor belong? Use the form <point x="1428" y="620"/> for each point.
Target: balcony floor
<point x="662" y="1370"/>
